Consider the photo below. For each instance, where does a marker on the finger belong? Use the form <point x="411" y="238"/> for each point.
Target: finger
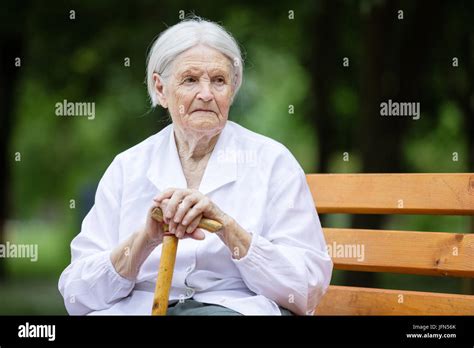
<point x="194" y="224"/>
<point x="165" y="194"/>
<point x="182" y="210"/>
<point x="173" y="205"/>
<point x="184" y="206"/>
<point x="172" y="227"/>
<point x="180" y="231"/>
<point x="198" y="209"/>
<point x="171" y="224"/>
<point x="197" y="234"/>
<point x="163" y="204"/>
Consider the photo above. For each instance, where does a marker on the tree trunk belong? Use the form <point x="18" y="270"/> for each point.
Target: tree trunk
<point x="11" y="46"/>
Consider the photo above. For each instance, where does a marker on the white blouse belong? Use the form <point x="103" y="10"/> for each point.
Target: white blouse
<point x="252" y="178"/>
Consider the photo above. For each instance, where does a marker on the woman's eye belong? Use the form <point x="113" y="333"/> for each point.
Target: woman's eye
<point x="189" y="79"/>
<point x="219" y="80"/>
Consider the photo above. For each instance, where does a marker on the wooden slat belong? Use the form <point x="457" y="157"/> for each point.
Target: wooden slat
<point x="344" y="300"/>
<point x="428" y="253"/>
<point x="449" y="194"/>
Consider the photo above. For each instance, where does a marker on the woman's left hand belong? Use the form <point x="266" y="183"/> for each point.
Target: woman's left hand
<point x="185" y="208"/>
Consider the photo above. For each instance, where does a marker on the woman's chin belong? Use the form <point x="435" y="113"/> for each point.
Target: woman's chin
<point x="205" y="125"/>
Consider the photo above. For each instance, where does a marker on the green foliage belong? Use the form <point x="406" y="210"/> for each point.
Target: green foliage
<point x="441" y="149"/>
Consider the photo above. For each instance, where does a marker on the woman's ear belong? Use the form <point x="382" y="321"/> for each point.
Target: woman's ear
<point x="160" y="90"/>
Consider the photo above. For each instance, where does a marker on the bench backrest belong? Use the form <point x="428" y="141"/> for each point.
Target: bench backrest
<point x="424" y="253"/>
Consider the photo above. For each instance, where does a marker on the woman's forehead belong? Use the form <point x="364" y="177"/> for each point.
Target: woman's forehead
<point x="198" y="70"/>
<point x="201" y="58"/>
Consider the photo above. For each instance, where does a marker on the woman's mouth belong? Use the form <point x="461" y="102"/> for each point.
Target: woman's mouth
<point x="203" y="110"/>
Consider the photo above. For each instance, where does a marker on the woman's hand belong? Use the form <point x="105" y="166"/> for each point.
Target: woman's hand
<point x="155" y="229"/>
<point x="184" y="208"/>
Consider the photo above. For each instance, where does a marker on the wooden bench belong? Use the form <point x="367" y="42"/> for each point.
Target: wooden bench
<point x="424" y="253"/>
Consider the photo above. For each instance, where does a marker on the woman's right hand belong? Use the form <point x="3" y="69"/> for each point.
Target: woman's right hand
<point x="128" y="257"/>
<point x="154" y="229"/>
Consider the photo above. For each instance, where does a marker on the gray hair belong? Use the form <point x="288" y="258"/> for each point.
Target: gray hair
<point x="183" y="36"/>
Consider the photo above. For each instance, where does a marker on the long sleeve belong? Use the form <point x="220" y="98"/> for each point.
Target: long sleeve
<point x="90" y="282"/>
<point x="288" y="262"/>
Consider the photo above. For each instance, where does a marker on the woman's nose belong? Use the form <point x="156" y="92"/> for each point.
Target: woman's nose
<point x="205" y="92"/>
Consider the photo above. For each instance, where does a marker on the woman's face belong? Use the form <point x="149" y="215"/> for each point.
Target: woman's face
<point x="198" y="92"/>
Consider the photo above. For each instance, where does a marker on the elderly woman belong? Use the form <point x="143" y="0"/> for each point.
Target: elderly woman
<point x="269" y="257"/>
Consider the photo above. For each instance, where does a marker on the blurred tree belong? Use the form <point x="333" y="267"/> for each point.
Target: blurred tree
<point x="12" y="41"/>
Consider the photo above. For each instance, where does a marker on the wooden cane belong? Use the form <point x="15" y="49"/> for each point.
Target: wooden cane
<point x="167" y="261"/>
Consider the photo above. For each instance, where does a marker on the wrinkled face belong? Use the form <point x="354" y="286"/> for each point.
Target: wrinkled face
<point x="198" y="93"/>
